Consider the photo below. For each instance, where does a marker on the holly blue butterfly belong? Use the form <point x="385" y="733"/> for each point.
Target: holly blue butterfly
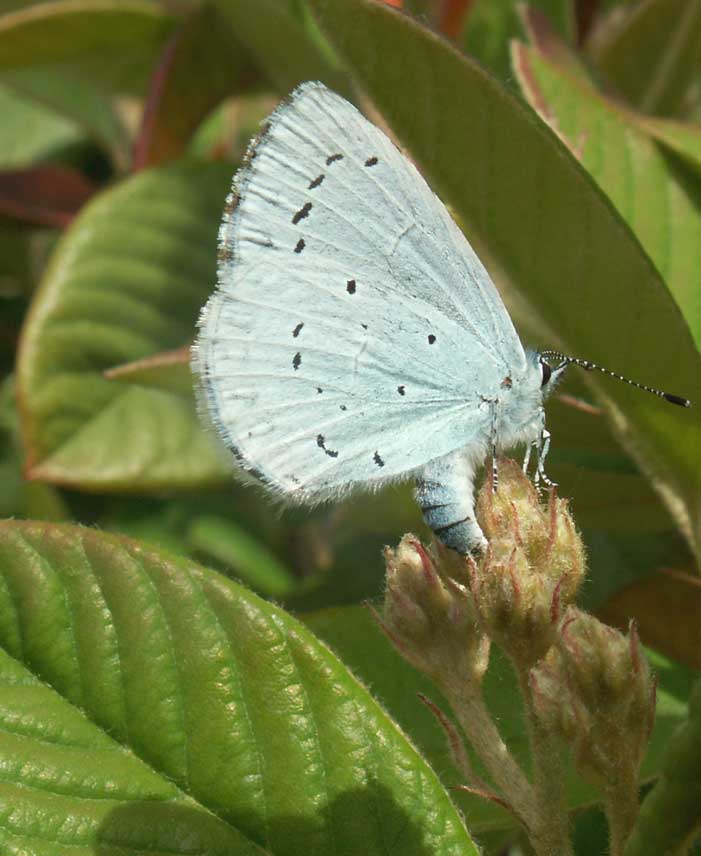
<point x="355" y="338"/>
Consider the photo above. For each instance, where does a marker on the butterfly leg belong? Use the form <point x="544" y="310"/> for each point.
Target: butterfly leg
<point x="543" y="449"/>
<point x="493" y="443"/>
<point x="445" y="493"/>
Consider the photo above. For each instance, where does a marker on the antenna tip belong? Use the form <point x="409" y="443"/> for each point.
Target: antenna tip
<point x="676" y="399"/>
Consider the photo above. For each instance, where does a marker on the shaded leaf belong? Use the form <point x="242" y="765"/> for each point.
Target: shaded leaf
<point x="79" y="100"/>
<point x="199" y="67"/>
<point x="491" y="24"/>
<point x="354" y="636"/>
<point x="231" y="546"/>
<point x="19" y="498"/>
<point x="652" y="55"/>
<point x="669" y="816"/>
<point x="282" y="39"/>
<point x="125" y="282"/>
<point x="45" y="195"/>
<point x="666" y="607"/>
<point x="168" y="371"/>
<point x="112" y="42"/>
<point x="30" y="132"/>
<point x="682" y="138"/>
<point x="541" y="225"/>
<point x="174" y="711"/>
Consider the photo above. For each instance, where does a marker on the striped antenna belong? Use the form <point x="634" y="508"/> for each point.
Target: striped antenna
<point x="590" y="367"/>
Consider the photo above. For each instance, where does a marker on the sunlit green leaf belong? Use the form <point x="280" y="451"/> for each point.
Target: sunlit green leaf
<point x="176" y="712"/>
<point x="657" y="200"/>
<point x="126" y="282"/>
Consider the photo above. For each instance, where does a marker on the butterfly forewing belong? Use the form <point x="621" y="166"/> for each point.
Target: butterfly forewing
<point x="354" y="335"/>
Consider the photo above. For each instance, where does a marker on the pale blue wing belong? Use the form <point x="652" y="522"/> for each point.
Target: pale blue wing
<point x="354" y="335"/>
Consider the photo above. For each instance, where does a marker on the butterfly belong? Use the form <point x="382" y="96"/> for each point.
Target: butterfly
<point x="355" y="338"/>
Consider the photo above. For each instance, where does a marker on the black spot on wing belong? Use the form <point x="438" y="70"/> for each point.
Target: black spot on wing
<point x="378" y="460"/>
<point x="431" y="339"/>
<point x="321" y="443"/>
<point x="371" y="161"/>
<point x="300" y="245"/>
<point x="297" y="329"/>
<point x="343" y="407"/>
<point x="319" y="390"/>
<point x="350" y="286"/>
<point x="302" y="213"/>
<point x="401" y="390"/>
<point x="364" y="326"/>
<point x="333" y="158"/>
<point x="317" y="181"/>
<point x="296" y="361"/>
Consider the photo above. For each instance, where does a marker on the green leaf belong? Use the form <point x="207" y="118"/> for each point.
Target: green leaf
<point x="169" y="371"/>
<point x="652" y="55"/>
<point x="200" y="67"/>
<point x="353" y="635"/>
<point x="228" y="544"/>
<point x="63" y="95"/>
<point x="111" y="42"/>
<point x="150" y="705"/>
<point x="491" y="24"/>
<point x="19" y="498"/>
<point x="682" y="138"/>
<point x="658" y="202"/>
<point x="30" y="132"/>
<point x="541" y="225"/>
<point x="126" y="281"/>
<point x="283" y="40"/>
<point x="669" y="816"/>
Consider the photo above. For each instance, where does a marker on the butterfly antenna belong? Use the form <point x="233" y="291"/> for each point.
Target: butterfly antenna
<point x="590" y="367"/>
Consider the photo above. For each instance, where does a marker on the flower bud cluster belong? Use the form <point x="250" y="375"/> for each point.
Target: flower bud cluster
<point x="595" y="690"/>
<point x="532" y="568"/>
<point x="430" y="617"/>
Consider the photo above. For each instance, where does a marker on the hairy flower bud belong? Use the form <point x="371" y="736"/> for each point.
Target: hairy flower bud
<point x="430" y="617"/>
<point x="532" y="568"/>
<point x="595" y="689"/>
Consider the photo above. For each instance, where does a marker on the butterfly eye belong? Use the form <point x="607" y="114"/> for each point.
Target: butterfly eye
<point x="547" y="371"/>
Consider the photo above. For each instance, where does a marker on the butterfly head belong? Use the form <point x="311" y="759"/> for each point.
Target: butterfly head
<point x="551" y="370"/>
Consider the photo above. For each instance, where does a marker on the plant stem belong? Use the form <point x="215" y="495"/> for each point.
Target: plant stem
<point x="477" y="723"/>
<point x="551" y="835"/>
<point x="622" y="807"/>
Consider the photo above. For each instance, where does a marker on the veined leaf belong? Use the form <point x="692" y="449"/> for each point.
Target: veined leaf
<point x="125" y="282"/>
<point x="657" y="201"/>
<point x="150" y="705"/>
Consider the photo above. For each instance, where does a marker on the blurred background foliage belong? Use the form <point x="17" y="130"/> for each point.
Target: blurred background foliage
<point x="123" y="122"/>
